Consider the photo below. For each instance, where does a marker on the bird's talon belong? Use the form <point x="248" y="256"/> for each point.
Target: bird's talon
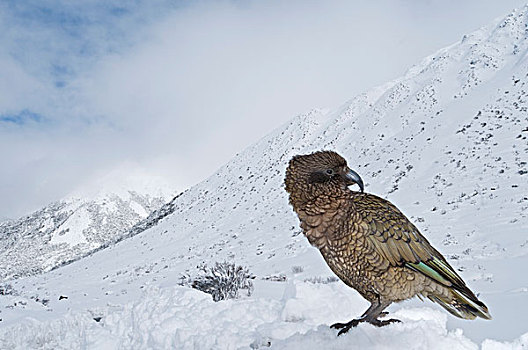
<point x="381" y="323"/>
<point x="338" y="325"/>
<point x="343" y="331"/>
<point x="394" y="320"/>
<point x="345" y="327"/>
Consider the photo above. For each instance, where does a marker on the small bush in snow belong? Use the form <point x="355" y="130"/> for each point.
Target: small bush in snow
<point x="321" y="280"/>
<point x="7" y="289"/>
<point x="224" y="281"/>
<point x="276" y="278"/>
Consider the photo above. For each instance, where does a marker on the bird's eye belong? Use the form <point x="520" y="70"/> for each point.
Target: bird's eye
<point x="329" y="171"/>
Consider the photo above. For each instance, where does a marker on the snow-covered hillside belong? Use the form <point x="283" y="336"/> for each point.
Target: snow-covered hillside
<point x="69" y="229"/>
<point x="447" y="143"/>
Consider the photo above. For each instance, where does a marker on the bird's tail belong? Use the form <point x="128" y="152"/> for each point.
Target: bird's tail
<point x="462" y="304"/>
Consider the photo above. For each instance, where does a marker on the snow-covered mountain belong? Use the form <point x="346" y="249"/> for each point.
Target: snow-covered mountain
<point x="447" y="143"/>
<point x="67" y="230"/>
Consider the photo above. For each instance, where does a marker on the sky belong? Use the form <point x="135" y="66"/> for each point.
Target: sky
<point x="169" y="91"/>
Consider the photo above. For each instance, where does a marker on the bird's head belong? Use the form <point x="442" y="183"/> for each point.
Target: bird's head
<point x="323" y="172"/>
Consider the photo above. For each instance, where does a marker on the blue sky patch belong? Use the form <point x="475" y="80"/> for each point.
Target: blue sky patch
<point x="22" y="118"/>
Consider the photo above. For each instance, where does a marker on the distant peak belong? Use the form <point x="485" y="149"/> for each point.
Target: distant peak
<point x="124" y="181"/>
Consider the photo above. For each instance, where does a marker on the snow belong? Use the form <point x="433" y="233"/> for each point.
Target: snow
<point x="70" y="232"/>
<point x="183" y="318"/>
<point x="136" y="207"/>
<point x="520" y="343"/>
<point x="446" y="143"/>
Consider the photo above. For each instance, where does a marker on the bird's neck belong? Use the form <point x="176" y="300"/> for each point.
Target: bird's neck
<point x="314" y="198"/>
<point x="317" y="205"/>
<point x="319" y="215"/>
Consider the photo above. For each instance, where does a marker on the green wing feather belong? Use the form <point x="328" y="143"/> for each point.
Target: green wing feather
<point x="439" y="270"/>
<point x="429" y="271"/>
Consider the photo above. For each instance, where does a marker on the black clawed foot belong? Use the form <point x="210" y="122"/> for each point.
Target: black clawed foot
<point x="381" y="323"/>
<point x="345" y="327"/>
<point x="338" y="325"/>
<point x="343" y="331"/>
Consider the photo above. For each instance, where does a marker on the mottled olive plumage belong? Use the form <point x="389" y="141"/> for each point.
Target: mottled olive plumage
<point x="369" y="244"/>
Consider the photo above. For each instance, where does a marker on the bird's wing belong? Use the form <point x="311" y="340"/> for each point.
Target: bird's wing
<point x="399" y="241"/>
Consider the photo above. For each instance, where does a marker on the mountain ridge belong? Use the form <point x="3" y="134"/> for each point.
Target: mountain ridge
<point x="67" y="230"/>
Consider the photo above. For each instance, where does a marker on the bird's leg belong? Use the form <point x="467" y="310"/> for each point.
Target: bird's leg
<point x="371" y="316"/>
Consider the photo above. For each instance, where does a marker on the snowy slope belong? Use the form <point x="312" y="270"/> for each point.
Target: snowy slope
<point x="447" y="143"/>
<point x="66" y="230"/>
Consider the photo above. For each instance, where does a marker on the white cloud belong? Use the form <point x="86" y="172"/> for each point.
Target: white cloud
<point x="180" y="90"/>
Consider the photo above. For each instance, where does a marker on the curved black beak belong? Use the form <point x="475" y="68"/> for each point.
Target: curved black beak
<point x="351" y="177"/>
